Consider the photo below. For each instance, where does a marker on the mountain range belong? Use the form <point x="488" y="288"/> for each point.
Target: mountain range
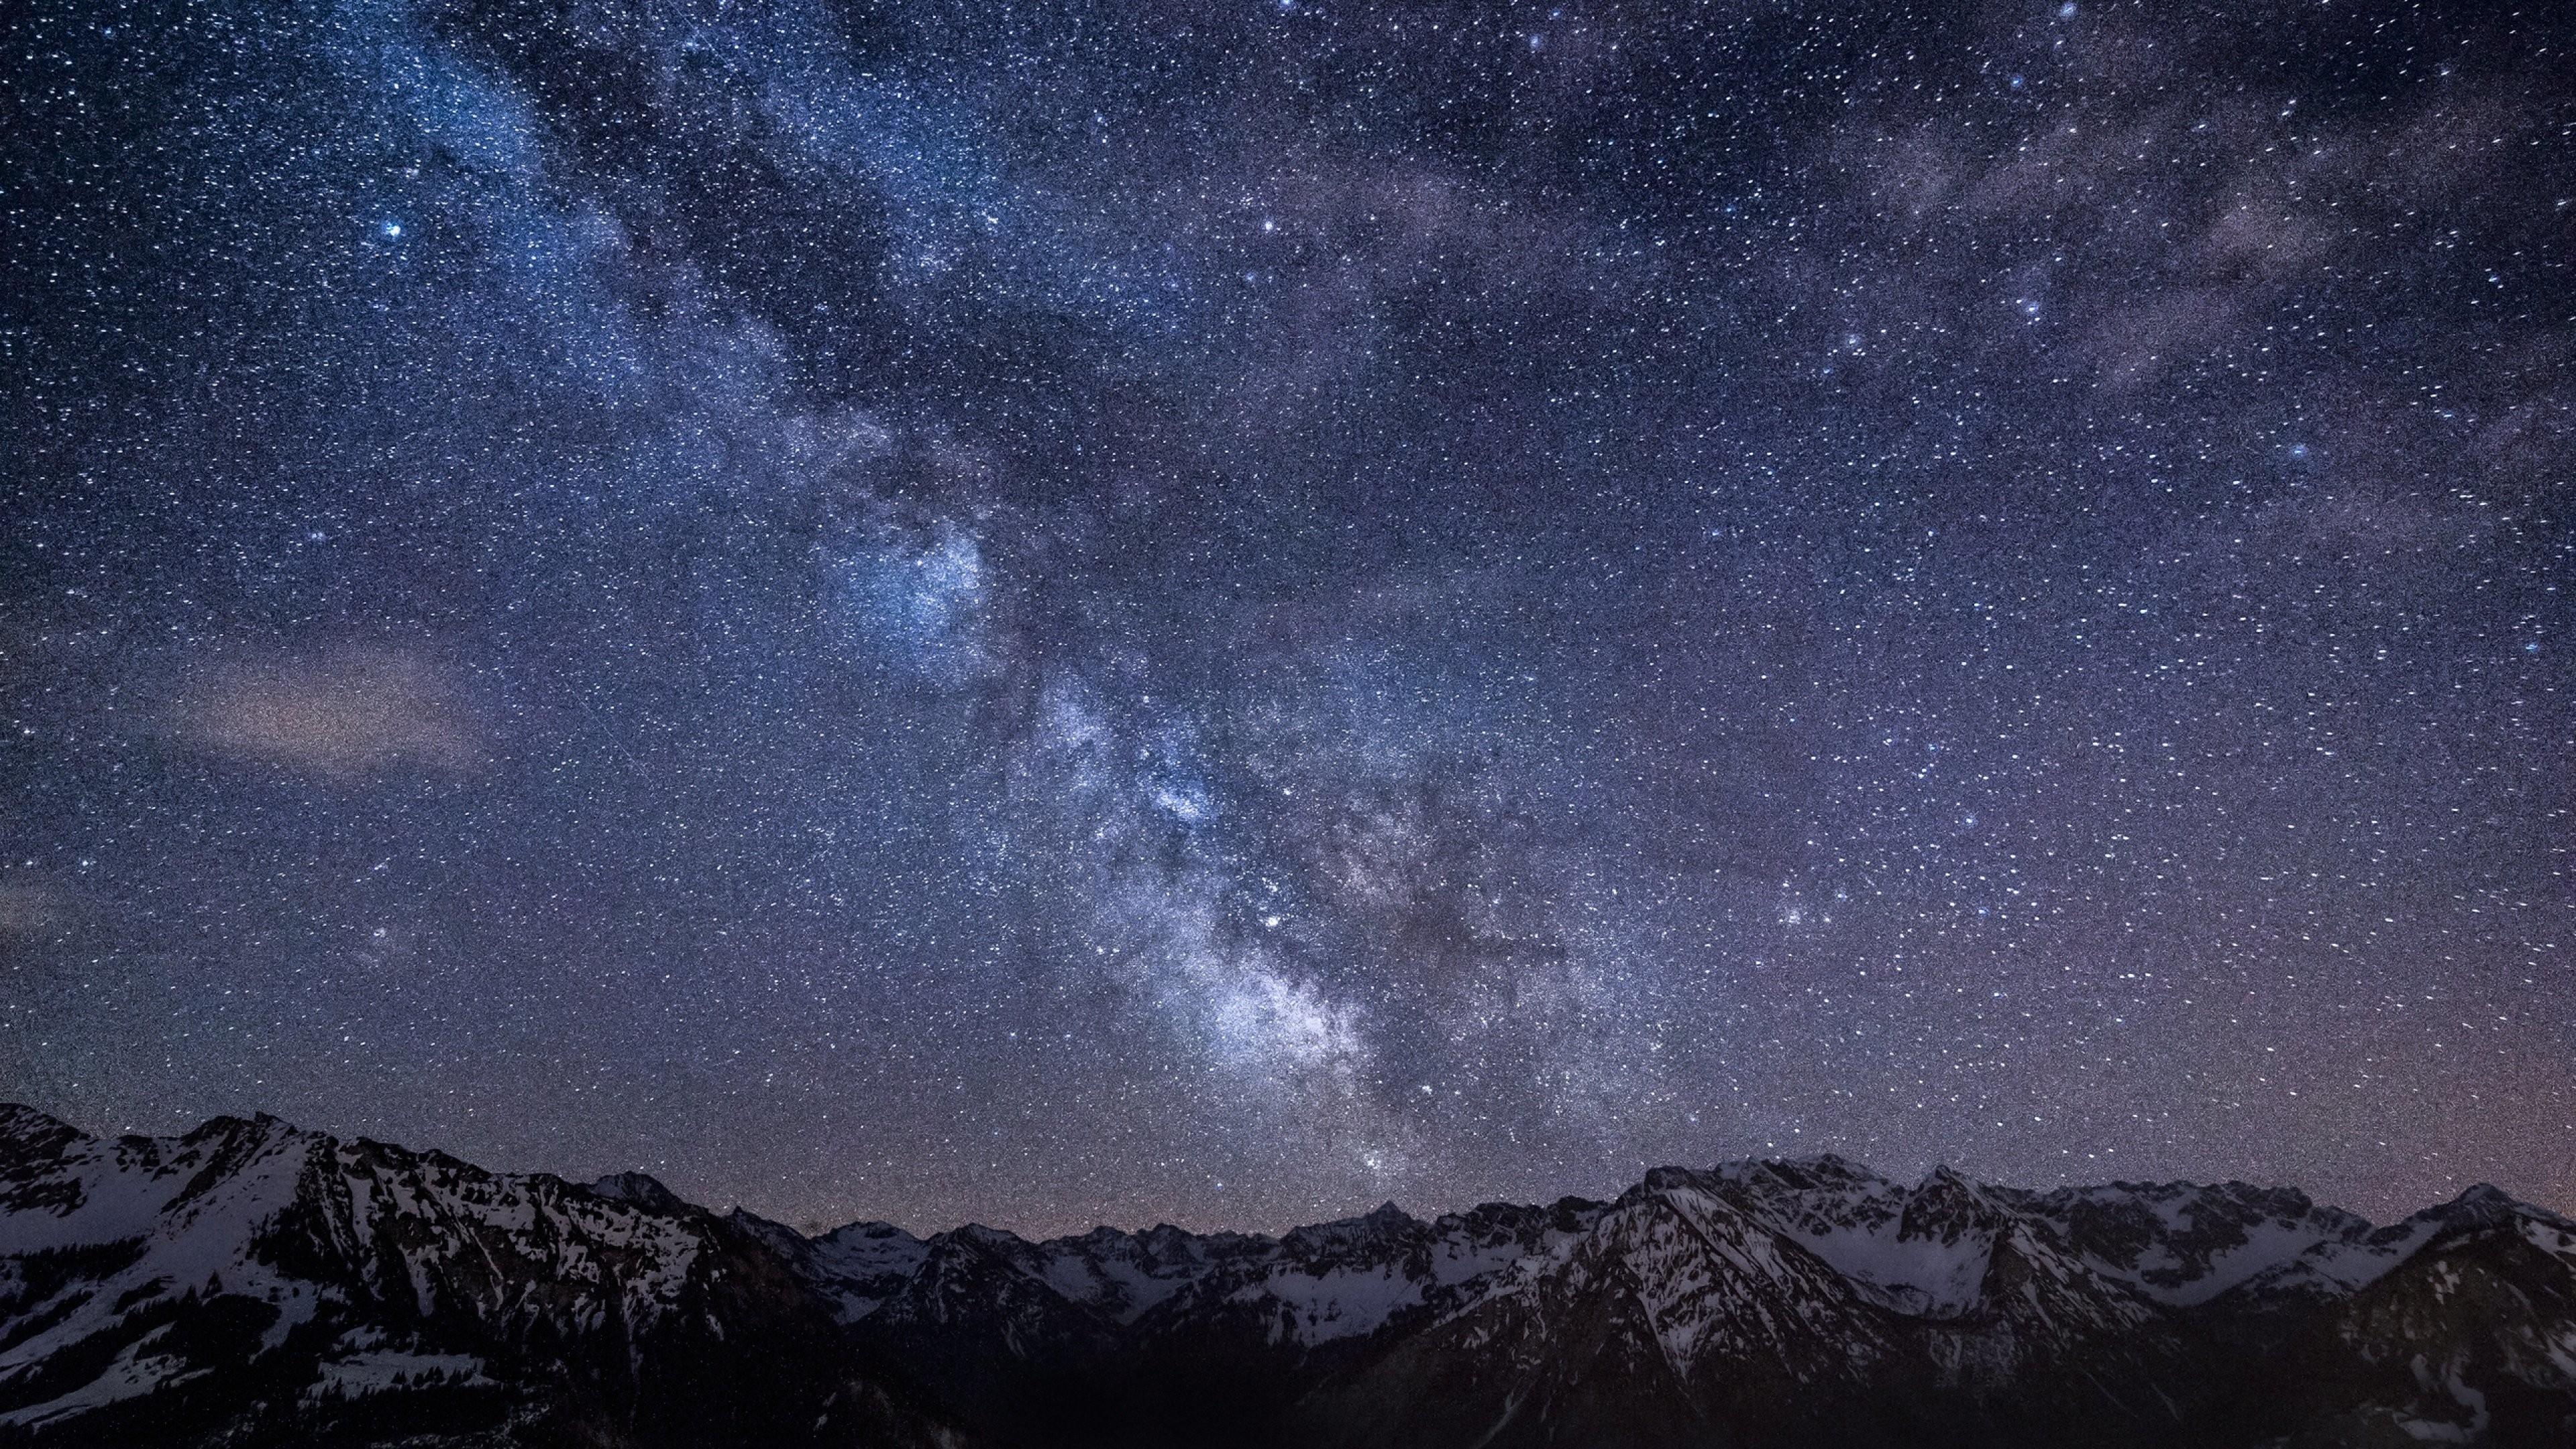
<point x="251" y="1283"/>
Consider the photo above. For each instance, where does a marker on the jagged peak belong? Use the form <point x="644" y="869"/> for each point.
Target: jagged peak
<point x="867" y="1230"/>
<point x="1165" y="1237"/>
<point x="225" y="1124"/>
<point x="1670" y="1176"/>
<point x="1384" y="1215"/>
<point x="1828" y="1171"/>
<point x="749" y="1221"/>
<point x="1379" y="1224"/>
<point x="22" y="1123"/>
<point x="991" y="1239"/>
<point x="231" y="1139"/>
<point x="640" y="1189"/>
<point x="1827" y="1164"/>
<point x="2485" y="1204"/>
<point x="11" y="1112"/>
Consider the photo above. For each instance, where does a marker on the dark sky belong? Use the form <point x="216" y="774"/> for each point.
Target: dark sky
<point x="1219" y="612"/>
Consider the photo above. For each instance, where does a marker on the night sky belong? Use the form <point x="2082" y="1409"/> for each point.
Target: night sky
<point x="1218" y="612"/>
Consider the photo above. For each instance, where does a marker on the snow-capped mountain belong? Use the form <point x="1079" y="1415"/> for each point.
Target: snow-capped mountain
<point x="255" y="1284"/>
<point x="1757" y="1302"/>
<point x="251" y="1283"/>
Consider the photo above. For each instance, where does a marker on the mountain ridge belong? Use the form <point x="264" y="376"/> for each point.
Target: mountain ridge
<point x="252" y="1282"/>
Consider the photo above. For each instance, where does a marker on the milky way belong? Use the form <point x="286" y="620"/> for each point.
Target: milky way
<point x="1220" y="612"/>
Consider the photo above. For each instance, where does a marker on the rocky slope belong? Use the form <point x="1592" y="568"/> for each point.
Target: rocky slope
<point x="253" y="1284"/>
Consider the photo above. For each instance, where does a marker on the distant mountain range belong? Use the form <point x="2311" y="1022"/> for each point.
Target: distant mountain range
<point x="253" y="1284"/>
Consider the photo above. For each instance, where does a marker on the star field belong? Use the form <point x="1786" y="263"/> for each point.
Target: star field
<point x="1221" y="612"/>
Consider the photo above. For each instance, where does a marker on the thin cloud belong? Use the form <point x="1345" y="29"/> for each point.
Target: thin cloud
<point x="343" y="715"/>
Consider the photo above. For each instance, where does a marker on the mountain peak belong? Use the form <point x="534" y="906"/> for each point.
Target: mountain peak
<point x="19" y="1122"/>
<point x="429" y="1284"/>
<point x="640" y="1189"/>
<point x="2479" y="1207"/>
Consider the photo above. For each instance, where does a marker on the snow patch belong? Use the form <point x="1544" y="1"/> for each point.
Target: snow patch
<point x="1337" y="1303"/>
<point x="385" y="1370"/>
<point x="131" y="1374"/>
<point x="1924" y="1275"/>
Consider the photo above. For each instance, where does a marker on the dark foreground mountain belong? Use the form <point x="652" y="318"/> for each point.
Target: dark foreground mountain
<point x="252" y="1284"/>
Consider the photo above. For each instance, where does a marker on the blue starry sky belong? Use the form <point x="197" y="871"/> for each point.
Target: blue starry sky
<point x="1219" y="612"/>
